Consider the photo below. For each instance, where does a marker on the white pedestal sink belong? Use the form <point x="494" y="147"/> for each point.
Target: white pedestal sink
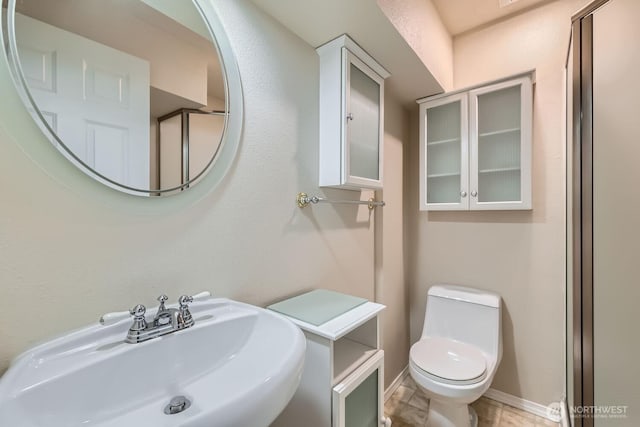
<point x="239" y="366"/>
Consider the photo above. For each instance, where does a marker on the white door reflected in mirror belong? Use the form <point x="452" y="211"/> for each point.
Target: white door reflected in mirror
<point x="133" y="92"/>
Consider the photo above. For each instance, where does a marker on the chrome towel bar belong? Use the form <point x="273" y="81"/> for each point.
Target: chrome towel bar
<point x="303" y="200"/>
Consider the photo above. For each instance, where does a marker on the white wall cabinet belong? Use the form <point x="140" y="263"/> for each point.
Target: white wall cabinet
<point x="351" y="116"/>
<point x="475" y="147"/>
<point x="342" y="383"/>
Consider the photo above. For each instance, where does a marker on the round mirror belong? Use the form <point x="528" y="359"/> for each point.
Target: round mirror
<point x="134" y="92"/>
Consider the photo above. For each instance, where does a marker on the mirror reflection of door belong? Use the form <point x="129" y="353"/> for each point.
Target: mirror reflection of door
<point x="95" y="97"/>
<point x="104" y="72"/>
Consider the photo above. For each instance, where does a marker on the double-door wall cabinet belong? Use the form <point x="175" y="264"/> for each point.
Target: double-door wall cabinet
<point x="475" y="147"/>
<point x="351" y="116"/>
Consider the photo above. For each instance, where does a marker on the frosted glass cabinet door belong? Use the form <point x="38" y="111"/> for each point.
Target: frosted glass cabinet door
<point x="351" y="116"/>
<point x="444" y="159"/>
<point x="358" y="400"/>
<point x="500" y="157"/>
<point x="363" y="123"/>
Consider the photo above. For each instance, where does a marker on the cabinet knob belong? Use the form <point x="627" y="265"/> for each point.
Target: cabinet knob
<point x="463" y="194"/>
<point x="474" y="193"/>
<point x="350" y="116"/>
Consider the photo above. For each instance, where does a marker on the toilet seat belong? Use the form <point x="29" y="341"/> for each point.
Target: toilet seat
<point x="449" y="361"/>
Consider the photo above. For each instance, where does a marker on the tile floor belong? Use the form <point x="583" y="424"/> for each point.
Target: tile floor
<point x="407" y="407"/>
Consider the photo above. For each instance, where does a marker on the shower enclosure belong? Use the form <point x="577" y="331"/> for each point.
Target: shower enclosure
<point x="603" y="284"/>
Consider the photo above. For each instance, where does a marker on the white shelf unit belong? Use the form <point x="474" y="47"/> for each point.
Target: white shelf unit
<point x="351" y="116"/>
<point x="475" y="147"/>
<point x="342" y="381"/>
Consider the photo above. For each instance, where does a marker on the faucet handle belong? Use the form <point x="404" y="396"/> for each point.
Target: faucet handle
<point x="161" y="299"/>
<point x="184" y="301"/>
<point x="185" y="314"/>
<point x="138" y="311"/>
<point x="139" y="322"/>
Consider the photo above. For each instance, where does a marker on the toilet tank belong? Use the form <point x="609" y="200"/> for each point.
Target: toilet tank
<point x="465" y="314"/>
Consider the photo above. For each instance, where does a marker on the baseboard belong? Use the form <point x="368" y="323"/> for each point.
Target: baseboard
<point x="396" y="383"/>
<point x="526" y="405"/>
<point x="508" y="399"/>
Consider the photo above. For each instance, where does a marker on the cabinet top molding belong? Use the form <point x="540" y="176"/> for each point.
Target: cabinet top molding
<point x="530" y="73"/>
<point x="346" y="41"/>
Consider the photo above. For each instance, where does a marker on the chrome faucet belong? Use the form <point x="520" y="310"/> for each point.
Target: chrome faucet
<point x="166" y="320"/>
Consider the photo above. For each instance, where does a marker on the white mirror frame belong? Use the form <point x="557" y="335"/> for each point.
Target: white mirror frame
<point x="221" y="162"/>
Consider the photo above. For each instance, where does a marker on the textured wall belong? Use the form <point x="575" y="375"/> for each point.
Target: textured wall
<point x="419" y="23"/>
<point x="72" y="249"/>
<point x="391" y="286"/>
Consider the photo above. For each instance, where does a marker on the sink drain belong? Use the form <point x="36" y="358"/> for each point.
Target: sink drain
<point x="178" y="404"/>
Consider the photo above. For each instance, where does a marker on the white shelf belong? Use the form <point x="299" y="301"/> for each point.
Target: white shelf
<point x="499" y="170"/>
<point x="443" y="141"/>
<point x="443" y="175"/>
<point x="348" y="355"/>
<point x="499" y="132"/>
<point x="339" y="326"/>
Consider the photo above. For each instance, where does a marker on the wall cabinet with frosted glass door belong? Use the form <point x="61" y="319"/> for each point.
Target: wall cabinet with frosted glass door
<point x="351" y="116"/>
<point x="475" y="147"/>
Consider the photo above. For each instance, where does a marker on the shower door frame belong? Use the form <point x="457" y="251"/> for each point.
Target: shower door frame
<point x="582" y="210"/>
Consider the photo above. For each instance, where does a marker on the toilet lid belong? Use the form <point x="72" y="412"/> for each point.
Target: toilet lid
<point x="448" y="359"/>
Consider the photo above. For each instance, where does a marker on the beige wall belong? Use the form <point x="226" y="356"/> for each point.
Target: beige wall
<point x="520" y="255"/>
<point x="72" y="249"/>
<point x="391" y="286"/>
<point x="419" y="23"/>
<point x="204" y="139"/>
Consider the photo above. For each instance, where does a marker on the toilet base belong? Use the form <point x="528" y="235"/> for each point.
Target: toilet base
<point x="473" y="417"/>
<point x="451" y="415"/>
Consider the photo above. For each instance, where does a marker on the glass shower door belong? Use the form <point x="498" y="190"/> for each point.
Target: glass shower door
<point x="616" y="210"/>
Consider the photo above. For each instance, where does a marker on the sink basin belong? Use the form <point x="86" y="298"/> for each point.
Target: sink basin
<point x="239" y="365"/>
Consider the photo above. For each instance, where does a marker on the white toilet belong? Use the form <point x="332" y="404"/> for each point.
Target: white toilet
<point x="458" y="354"/>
